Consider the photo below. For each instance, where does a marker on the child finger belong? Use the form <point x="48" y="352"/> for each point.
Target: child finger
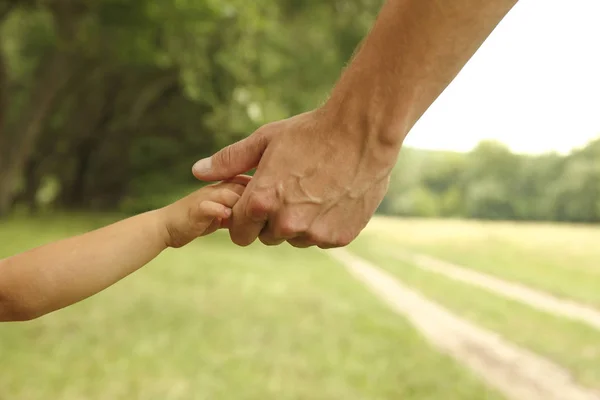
<point x="243" y="180"/>
<point x="225" y="223"/>
<point x="214" y="225"/>
<point x="234" y="187"/>
<point x="225" y="196"/>
<point x="211" y="209"/>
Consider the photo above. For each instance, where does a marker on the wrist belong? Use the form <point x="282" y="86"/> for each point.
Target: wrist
<point x="382" y="90"/>
<point x="378" y="133"/>
<point x="160" y="225"/>
<point x="366" y="108"/>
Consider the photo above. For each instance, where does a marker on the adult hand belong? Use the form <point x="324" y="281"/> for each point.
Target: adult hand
<point x="318" y="182"/>
<point x="322" y="174"/>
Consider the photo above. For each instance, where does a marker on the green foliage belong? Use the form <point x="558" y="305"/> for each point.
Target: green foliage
<point x="488" y="198"/>
<point x="492" y="183"/>
<point x="153" y="86"/>
<point x="149" y="87"/>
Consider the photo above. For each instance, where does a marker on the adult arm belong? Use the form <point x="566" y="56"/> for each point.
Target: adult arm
<point x="321" y="175"/>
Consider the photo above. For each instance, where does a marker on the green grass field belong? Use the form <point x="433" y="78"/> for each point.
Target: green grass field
<point x="495" y="249"/>
<point x="560" y="259"/>
<point x="214" y="321"/>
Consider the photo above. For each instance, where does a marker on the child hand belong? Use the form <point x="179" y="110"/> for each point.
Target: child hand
<point x="202" y="212"/>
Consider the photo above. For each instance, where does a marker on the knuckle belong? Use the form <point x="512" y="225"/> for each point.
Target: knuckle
<point x="317" y="237"/>
<point x="343" y="240"/>
<point x="197" y="214"/>
<point x="270" y="241"/>
<point x="224" y="156"/>
<point x="240" y="240"/>
<point x="325" y="239"/>
<point x="300" y="243"/>
<point x="261" y="137"/>
<point x="291" y="226"/>
<point x="264" y="131"/>
<point x="259" y="206"/>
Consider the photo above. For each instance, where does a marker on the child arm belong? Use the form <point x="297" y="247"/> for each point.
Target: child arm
<point x="59" y="274"/>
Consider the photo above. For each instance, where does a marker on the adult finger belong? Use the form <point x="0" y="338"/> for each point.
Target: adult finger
<point x="250" y="215"/>
<point x="300" y="242"/>
<point x="232" y="160"/>
<point x="287" y="224"/>
<point x="290" y="223"/>
<point x="267" y="236"/>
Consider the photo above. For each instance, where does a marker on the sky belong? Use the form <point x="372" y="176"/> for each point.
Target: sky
<point x="534" y="85"/>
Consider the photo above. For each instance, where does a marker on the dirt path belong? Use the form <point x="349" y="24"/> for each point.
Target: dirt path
<point x="534" y="298"/>
<point x="515" y="372"/>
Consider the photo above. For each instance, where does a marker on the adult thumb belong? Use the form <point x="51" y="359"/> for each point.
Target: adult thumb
<point x="232" y="160"/>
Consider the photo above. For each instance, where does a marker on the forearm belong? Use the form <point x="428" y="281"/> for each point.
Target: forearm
<point x="413" y="52"/>
<point x="62" y="273"/>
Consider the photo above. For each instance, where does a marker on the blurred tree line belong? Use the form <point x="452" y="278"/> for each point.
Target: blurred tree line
<point x="107" y="103"/>
<point x="490" y="182"/>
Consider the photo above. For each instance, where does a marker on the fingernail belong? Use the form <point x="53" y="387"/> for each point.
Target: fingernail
<point x="227" y="212"/>
<point x="203" y="166"/>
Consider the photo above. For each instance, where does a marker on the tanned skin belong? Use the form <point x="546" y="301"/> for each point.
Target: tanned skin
<point x="321" y="175"/>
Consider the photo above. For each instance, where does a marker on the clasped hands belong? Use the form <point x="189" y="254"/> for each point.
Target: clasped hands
<point x="317" y="183"/>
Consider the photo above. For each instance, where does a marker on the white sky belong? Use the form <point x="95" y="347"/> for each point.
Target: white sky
<point x="533" y="85"/>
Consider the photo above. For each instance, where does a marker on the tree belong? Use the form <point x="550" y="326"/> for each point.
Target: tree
<point x="112" y="98"/>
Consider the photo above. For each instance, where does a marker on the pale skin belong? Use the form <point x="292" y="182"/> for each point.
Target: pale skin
<point x="59" y="274"/>
<point x="320" y="176"/>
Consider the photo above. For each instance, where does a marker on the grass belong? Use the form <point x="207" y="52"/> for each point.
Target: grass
<point x="214" y="321"/>
<point x="560" y="259"/>
<point x="571" y="344"/>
